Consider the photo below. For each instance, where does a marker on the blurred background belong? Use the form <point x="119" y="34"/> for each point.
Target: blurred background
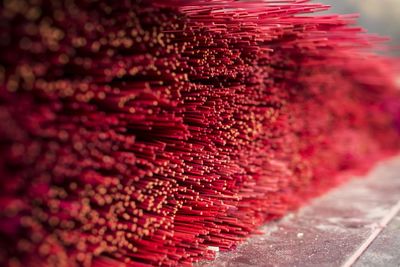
<point x="377" y="16"/>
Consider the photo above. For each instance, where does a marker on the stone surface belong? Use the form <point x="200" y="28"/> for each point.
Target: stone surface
<point x="385" y="250"/>
<point x="330" y="230"/>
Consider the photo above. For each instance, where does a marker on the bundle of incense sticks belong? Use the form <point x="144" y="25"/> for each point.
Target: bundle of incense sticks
<point x="139" y="133"/>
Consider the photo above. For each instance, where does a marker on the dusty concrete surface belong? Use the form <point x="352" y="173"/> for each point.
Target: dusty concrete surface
<point x="331" y="230"/>
<point x="385" y="250"/>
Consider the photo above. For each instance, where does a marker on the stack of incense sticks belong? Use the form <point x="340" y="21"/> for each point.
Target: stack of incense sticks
<point x="139" y="133"/>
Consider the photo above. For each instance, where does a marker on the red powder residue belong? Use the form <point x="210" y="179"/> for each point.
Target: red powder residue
<point x="147" y="133"/>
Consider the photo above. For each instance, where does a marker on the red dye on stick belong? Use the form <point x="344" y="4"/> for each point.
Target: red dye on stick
<point x="148" y="134"/>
